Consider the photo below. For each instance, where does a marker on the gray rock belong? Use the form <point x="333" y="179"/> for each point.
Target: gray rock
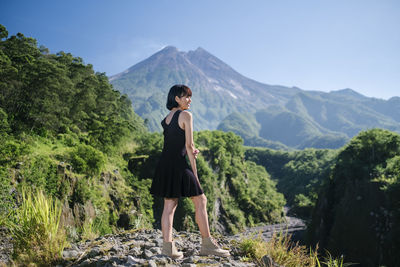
<point x="148" y="254"/>
<point x="161" y="259"/>
<point x="268" y="262"/>
<point x="133" y="261"/>
<point x="94" y="252"/>
<point x="152" y="263"/>
<point x="70" y="254"/>
<point x="191" y="259"/>
<point x="159" y="242"/>
<point x="155" y="250"/>
<point x="136" y="251"/>
<point x="86" y="262"/>
<point x="124" y="247"/>
<point x="149" y="244"/>
<point x="188" y="265"/>
<point x="130" y="260"/>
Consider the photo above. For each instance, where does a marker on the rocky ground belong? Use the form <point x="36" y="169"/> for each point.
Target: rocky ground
<point x="5" y="245"/>
<point x="143" y="248"/>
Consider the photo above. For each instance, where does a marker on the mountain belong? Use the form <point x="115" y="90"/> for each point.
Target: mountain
<point x="218" y="90"/>
<point x="272" y="116"/>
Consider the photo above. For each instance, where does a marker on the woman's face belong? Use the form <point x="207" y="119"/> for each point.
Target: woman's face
<point x="183" y="102"/>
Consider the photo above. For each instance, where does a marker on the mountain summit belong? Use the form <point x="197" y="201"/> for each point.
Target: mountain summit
<point x="260" y="113"/>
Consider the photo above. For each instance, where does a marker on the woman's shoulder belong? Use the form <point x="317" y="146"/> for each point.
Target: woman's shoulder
<point x="186" y="114"/>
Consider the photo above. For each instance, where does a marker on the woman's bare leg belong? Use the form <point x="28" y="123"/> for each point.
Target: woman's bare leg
<point x="200" y="204"/>
<point x="167" y="218"/>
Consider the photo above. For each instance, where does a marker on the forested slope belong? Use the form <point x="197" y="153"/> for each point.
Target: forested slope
<point x="357" y="213"/>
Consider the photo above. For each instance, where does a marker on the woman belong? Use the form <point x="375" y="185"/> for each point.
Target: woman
<point x="174" y="178"/>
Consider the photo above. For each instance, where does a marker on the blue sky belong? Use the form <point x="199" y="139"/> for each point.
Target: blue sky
<point x="315" y="45"/>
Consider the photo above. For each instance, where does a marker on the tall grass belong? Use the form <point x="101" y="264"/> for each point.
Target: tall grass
<point x="35" y="226"/>
<point x="332" y="262"/>
<point x="285" y="252"/>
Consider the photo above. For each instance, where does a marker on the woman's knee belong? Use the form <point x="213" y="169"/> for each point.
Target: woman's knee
<point x="170" y="204"/>
<point x="200" y="201"/>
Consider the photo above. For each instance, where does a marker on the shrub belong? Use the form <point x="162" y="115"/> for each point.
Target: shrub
<point x="88" y="160"/>
<point x="41" y="173"/>
<point x="35" y="227"/>
<point x="286" y="253"/>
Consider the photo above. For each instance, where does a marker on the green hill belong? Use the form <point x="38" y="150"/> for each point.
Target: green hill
<point x="357" y="212"/>
<point x="316" y="119"/>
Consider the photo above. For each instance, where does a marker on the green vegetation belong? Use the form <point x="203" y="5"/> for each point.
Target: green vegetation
<point x="50" y="94"/>
<point x="35" y="226"/>
<point x="286" y="253"/>
<point x="246" y="126"/>
<point x="357" y="213"/>
<point x="299" y="174"/>
<point x="64" y="132"/>
<point x="288" y="129"/>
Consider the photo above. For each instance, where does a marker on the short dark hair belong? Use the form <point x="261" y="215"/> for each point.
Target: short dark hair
<point x="177" y="90"/>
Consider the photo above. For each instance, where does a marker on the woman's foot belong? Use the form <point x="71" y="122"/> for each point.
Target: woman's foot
<point x="210" y="247"/>
<point x="170" y="250"/>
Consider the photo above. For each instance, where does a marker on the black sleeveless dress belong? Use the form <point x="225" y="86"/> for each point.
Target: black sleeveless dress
<point x="173" y="176"/>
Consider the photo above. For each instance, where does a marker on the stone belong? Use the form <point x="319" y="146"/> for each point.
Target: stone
<point x="152" y="263"/>
<point x="133" y="261"/>
<point x="148" y="254"/>
<point x="149" y="244"/>
<point x="86" y="262"/>
<point x="93" y="253"/>
<point x="159" y="242"/>
<point x="136" y="251"/>
<point x="268" y="262"/>
<point x="70" y="254"/>
<point x="155" y="250"/>
<point x="130" y="260"/>
<point x="188" y="265"/>
<point x="161" y="259"/>
<point x="191" y="259"/>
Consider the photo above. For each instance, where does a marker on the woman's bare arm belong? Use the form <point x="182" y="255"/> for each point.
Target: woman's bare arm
<point x="190" y="148"/>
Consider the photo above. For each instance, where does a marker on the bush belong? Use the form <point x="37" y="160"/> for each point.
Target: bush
<point x="11" y="150"/>
<point x="41" y="173"/>
<point x="35" y="227"/>
<point x="88" y="160"/>
<point x="286" y="253"/>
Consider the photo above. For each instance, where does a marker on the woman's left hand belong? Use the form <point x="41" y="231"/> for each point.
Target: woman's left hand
<point x="195" y="153"/>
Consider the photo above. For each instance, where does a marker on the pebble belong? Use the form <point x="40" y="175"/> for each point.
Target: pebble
<point x="70" y="254"/>
<point x="152" y="263"/>
<point x="147" y="253"/>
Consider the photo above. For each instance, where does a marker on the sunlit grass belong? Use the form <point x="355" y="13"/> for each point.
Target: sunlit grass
<point x="329" y="261"/>
<point x="35" y="227"/>
<point x="285" y="252"/>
